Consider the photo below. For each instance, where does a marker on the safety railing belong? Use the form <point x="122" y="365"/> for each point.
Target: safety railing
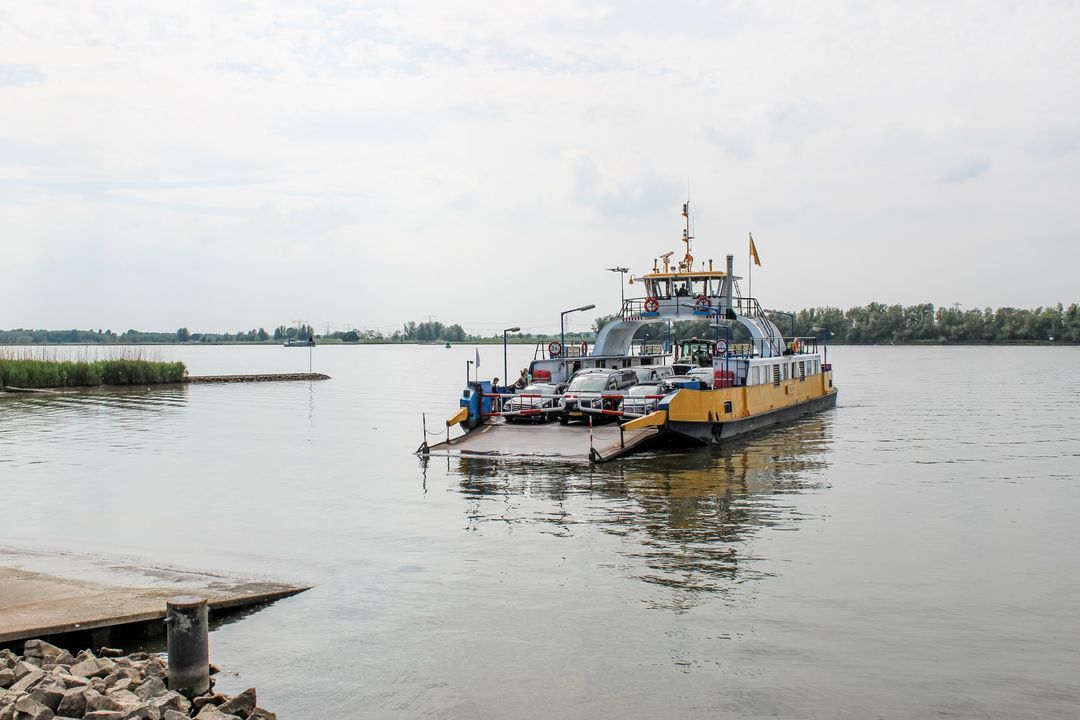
<point x="553" y="349"/>
<point x="631" y="403"/>
<point x="783" y="346"/>
<point x="679" y="305"/>
<point x="497" y="402"/>
<point x="602" y="404"/>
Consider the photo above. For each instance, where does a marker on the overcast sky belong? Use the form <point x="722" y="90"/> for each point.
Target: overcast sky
<point x="227" y="165"/>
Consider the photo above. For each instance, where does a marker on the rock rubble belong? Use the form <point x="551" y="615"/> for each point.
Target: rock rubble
<point x="48" y="683"/>
<point x="277" y="377"/>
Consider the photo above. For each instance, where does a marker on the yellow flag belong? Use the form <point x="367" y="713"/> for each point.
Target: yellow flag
<point x="753" y="252"/>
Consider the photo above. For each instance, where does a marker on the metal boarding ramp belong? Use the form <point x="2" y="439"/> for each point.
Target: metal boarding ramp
<point x="551" y="442"/>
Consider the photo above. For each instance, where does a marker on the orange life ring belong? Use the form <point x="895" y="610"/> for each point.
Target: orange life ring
<point x="652" y="304"/>
<point x="795" y="345"/>
<point x="555" y="348"/>
<point x="584" y="348"/>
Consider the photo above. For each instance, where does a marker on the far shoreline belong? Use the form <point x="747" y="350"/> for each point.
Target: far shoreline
<point x="442" y="343"/>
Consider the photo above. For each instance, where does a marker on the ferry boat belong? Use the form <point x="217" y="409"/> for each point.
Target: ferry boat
<point x="717" y="390"/>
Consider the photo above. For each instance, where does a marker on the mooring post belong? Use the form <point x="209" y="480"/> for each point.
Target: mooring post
<point x="188" y="644"/>
<point x="592" y="450"/>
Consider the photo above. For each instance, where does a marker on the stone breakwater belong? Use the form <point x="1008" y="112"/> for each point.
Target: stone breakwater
<point x="48" y="683"/>
<point x="276" y="377"/>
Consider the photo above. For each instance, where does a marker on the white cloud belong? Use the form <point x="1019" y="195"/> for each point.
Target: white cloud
<point x="236" y="164"/>
<point x="968" y="170"/>
<point x="19" y="74"/>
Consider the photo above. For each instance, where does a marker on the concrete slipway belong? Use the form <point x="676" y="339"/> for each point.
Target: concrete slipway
<point x="44" y="595"/>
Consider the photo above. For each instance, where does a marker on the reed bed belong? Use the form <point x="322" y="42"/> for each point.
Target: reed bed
<point x="21" y="368"/>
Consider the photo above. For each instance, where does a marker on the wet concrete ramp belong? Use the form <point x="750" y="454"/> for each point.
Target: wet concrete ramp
<point x="44" y="595"/>
<point x="554" y="441"/>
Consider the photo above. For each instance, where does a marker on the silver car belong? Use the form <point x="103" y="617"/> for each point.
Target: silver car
<point x="533" y="400"/>
<point x="593" y="390"/>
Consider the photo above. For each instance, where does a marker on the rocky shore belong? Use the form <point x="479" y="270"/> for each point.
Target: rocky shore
<point x="48" y="683"/>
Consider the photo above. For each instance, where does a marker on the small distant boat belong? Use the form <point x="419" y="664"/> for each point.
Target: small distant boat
<point x="447" y="346"/>
<point x="309" y="342"/>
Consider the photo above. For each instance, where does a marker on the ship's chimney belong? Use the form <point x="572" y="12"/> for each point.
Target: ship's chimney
<point x="729" y="282"/>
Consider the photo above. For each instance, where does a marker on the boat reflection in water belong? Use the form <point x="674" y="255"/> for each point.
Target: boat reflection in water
<point x="682" y="519"/>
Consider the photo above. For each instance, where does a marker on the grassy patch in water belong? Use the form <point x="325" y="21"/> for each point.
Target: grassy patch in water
<point x="28" y="372"/>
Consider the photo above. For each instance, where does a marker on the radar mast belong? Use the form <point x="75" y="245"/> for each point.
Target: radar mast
<point x="687" y="263"/>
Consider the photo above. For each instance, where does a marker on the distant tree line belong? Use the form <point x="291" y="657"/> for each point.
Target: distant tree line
<point x="411" y="332"/>
<point x="878" y="323"/>
<point x="22" y="336"/>
<point x="875" y="323"/>
<point x="301" y="331"/>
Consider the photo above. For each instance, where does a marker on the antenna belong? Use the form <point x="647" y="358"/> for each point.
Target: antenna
<point x="688" y="260"/>
<point x="622" y="292"/>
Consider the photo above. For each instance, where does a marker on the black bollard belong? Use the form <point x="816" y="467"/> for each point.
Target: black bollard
<point x="188" y="643"/>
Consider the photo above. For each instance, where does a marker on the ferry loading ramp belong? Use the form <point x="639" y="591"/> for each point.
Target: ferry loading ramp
<point x="550" y="441"/>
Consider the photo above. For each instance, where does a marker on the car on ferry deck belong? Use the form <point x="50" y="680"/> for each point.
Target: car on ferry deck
<point x="522" y="401"/>
<point x="653" y="373"/>
<point x="588" y="385"/>
<point x="643" y="398"/>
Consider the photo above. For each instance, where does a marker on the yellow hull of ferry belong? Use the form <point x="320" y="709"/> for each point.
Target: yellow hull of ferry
<point x="746" y="401"/>
<point x="709" y="416"/>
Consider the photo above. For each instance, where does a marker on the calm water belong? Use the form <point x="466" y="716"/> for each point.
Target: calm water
<point x="912" y="553"/>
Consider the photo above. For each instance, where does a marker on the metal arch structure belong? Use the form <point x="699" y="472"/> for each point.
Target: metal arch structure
<point x="615" y="338"/>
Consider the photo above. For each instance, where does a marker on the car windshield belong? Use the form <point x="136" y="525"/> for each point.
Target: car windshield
<point x="588" y="383"/>
<point x="643" y="390"/>
<point x="537" y="390"/>
<point x="643" y="373"/>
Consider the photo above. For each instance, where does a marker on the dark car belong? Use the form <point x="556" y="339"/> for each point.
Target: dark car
<point x="587" y="387"/>
<point x="653" y="373"/>
<point x="533" y="400"/>
<point x="642" y="399"/>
